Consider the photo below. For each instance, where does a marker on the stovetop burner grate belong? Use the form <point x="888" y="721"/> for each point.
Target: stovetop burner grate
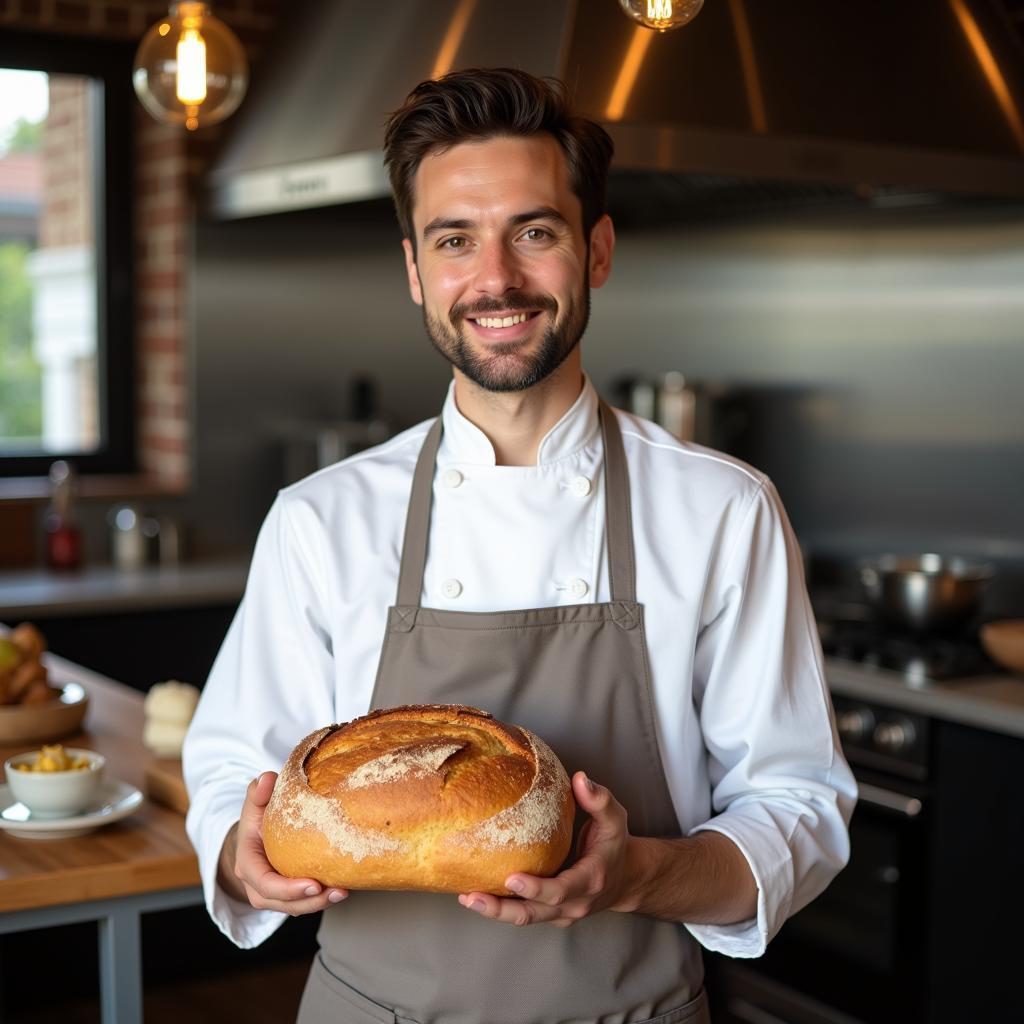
<point x="919" y="657"/>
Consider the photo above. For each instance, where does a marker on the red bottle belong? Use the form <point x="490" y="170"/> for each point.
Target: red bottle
<point x="63" y="535"/>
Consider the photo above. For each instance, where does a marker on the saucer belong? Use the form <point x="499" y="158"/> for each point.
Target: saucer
<point x="114" y="801"/>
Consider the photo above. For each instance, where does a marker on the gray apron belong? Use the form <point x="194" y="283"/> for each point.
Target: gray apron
<point x="578" y="676"/>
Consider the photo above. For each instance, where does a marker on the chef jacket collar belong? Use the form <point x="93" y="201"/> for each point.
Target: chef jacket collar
<point x="463" y="441"/>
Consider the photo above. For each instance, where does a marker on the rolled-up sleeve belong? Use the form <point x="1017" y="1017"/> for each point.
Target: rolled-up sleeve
<point x="272" y="678"/>
<point x="781" y="789"/>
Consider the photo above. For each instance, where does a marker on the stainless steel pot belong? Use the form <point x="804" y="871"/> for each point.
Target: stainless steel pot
<point x="925" y="592"/>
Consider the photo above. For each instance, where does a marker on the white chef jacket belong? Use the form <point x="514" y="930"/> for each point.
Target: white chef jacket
<point x="744" y="723"/>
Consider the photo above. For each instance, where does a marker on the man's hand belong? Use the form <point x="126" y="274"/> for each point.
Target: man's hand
<point x="599" y="880"/>
<point x="700" y="879"/>
<point x="246" y="874"/>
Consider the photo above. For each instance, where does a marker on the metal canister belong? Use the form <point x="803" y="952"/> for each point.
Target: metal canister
<point x="127" y="541"/>
<point x="677" y="406"/>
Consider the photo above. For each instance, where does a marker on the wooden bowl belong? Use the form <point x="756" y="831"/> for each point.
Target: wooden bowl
<point x="1004" y="642"/>
<point x="39" y="723"/>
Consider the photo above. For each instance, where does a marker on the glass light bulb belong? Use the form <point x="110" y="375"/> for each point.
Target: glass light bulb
<point x="662" y="14"/>
<point x="190" y="69"/>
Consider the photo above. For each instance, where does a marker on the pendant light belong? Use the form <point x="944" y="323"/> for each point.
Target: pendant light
<point x="662" y="15"/>
<point x="190" y="69"/>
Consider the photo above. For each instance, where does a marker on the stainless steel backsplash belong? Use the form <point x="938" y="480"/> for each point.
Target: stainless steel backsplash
<point x="881" y="353"/>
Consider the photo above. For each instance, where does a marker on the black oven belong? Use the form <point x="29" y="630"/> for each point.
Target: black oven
<point x="856" y="955"/>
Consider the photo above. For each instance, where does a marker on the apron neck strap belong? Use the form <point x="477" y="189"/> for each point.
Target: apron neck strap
<point x="618" y="518"/>
<point x="417" y="521"/>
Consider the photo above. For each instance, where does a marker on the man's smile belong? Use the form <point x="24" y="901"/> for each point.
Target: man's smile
<point x="502" y="325"/>
<point x="509" y="320"/>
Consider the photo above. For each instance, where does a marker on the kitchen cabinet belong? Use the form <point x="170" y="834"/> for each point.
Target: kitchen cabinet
<point x="976" y="897"/>
<point x="142" y="647"/>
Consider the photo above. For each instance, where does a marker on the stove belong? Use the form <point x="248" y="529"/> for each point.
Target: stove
<point x="856" y="954"/>
<point x="850" y="632"/>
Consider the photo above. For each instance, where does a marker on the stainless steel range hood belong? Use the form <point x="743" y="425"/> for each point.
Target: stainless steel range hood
<point x="923" y="95"/>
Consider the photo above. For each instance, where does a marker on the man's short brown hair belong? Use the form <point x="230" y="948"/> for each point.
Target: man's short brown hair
<point x="483" y="103"/>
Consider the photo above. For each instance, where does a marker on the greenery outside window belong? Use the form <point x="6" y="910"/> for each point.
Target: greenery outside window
<point x="66" y="305"/>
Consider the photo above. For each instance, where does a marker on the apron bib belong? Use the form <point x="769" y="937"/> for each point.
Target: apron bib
<point x="577" y="675"/>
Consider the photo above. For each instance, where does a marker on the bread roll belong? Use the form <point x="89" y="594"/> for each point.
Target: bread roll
<point x="171" y="701"/>
<point x="429" y="797"/>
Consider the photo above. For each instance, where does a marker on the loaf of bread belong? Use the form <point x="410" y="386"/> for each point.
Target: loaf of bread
<point x="429" y="797"/>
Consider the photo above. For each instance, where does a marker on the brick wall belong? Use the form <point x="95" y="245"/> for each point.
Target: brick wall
<point x="66" y="215"/>
<point x="66" y="221"/>
<point x="168" y="168"/>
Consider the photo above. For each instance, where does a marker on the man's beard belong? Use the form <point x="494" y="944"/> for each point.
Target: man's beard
<point x="501" y="367"/>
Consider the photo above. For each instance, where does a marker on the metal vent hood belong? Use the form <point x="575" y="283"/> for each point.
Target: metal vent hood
<point x="923" y="95"/>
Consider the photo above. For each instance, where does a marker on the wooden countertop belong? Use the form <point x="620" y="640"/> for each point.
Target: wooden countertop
<point x="146" y="852"/>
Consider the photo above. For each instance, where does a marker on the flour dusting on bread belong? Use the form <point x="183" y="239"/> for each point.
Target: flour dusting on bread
<point x="300" y="807"/>
<point x="414" y="760"/>
<point x="536" y="816"/>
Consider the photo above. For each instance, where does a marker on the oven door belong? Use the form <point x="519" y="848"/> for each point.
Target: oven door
<point x="856" y="952"/>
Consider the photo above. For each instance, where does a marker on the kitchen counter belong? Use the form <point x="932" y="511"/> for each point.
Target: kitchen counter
<point x="103" y="588"/>
<point x="142" y="864"/>
<point x="993" y="702"/>
<point x="147" y="851"/>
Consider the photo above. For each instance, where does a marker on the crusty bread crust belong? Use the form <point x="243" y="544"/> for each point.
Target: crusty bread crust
<point x="428" y="797"/>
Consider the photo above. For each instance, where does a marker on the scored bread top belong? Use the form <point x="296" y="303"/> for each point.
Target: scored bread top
<point x="404" y="768"/>
<point x="435" y="772"/>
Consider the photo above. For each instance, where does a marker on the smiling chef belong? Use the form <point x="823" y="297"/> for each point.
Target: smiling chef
<point x="678" y="672"/>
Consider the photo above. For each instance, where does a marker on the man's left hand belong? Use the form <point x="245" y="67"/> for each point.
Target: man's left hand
<point x="598" y="880"/>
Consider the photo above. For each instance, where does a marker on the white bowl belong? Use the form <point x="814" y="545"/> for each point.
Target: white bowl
<point x="55" y="794"/>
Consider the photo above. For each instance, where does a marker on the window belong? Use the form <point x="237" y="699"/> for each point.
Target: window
<point x="65" y="254"/>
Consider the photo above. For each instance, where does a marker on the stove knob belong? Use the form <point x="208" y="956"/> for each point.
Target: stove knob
<point x="855" y="724"/>
<point x="892" y="737"/>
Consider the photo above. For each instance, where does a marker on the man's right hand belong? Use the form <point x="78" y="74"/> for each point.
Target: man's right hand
<point x="245" y="873"/>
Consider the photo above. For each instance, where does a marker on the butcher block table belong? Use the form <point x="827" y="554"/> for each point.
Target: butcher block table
<point x="112" y="875"/>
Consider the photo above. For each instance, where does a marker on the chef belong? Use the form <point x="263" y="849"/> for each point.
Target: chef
<point x="636" y="601"/>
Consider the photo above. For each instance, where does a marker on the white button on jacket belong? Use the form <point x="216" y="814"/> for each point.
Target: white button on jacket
<point x="580" y="486"/>
<point x="739" y="694"/>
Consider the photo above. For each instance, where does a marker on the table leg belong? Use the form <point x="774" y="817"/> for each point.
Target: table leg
<point x="120" y="940"/>
<point x="121" y="967"/>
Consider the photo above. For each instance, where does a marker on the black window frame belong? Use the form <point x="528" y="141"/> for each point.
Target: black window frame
<point x="110" y="62"/>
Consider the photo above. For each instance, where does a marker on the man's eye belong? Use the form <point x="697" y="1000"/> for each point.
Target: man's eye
<point x="454" y="243"/>
<point x="536" y="234"/>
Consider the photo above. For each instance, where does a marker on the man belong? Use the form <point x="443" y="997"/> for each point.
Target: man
<point x="644" y="608"/>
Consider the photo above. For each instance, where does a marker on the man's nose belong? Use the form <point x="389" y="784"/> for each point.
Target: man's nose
<point x="497" y="269"/>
